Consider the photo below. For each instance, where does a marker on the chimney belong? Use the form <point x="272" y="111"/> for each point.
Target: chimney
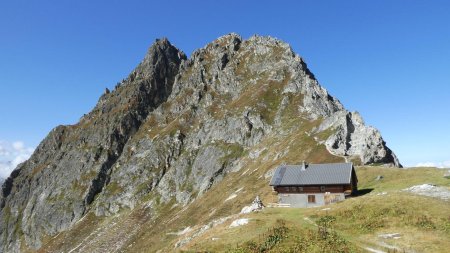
<point x="304" y="165"/>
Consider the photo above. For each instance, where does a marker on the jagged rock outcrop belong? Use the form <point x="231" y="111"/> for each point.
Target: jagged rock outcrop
<point x="173" y="129"/>
<point x="54" y="188"/>
<point x="352" y="138"/>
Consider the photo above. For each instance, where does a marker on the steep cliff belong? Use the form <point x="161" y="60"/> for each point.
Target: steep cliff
<point x="173" y="130"/>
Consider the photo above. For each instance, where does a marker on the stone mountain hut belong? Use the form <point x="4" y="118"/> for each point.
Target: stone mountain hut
<point x="310" y="185"/>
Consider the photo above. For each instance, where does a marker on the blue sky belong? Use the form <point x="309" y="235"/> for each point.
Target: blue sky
<point x="389" y="60"/>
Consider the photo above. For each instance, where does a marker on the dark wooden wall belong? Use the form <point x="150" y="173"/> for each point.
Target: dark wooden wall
<point x="313" y="189"/>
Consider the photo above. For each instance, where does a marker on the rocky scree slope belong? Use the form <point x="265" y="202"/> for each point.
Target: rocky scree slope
<point x="173" y="129"/>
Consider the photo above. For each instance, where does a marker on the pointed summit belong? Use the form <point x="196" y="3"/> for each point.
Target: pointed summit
<point x="161" y="52"/>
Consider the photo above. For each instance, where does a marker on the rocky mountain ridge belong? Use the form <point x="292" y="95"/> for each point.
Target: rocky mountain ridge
<point x="175" y="128"/>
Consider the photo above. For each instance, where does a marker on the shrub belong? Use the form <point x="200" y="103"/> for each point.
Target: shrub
<point x="424" y="221"/>
<point x="274" y="236"/>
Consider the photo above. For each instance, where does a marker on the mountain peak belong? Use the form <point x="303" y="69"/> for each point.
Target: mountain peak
<point x="160" y="52"/>
<point x="175" y="129"/>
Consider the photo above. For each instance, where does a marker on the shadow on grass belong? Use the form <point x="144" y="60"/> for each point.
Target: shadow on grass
<point x="362" y="192"/>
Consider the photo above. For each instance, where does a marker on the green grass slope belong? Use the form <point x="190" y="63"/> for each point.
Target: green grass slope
<point x="354" y="225"/>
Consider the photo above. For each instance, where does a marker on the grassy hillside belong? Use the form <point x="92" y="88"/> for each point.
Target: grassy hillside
<point x="152" y="226"/>
<point x="353" y="225"/>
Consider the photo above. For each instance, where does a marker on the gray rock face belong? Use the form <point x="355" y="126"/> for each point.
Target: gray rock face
<point x="352" y="138"/>
<point x="170" y="131"/>
<point x="54" y="188"/>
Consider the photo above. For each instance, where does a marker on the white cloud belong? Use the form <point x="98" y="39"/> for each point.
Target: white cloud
<point x="12" y="154"/>
<point x="18" y="145"/>
<point x="426" y="164"/>
<point x="444" y="164"/>
<point x="3" y="151"/>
